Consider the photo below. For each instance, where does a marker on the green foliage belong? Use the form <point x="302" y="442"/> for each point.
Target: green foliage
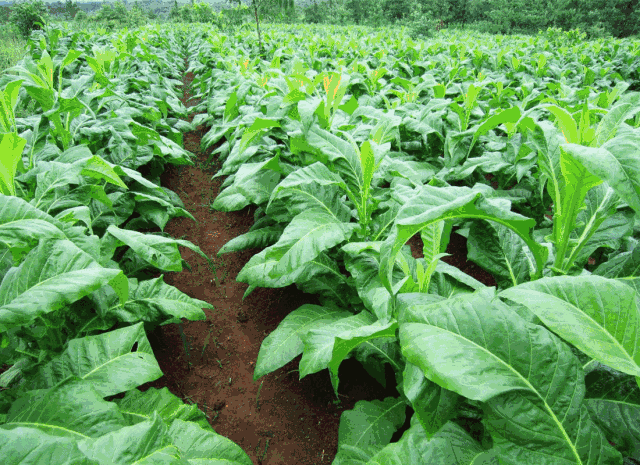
<point x="421" y="25"/>
<point x="12" y="46"/>
<point x="28" y="16"/>
<point x="117" y="15"/>
<point x="71" y="9"/>
<point x="234" y="17"/>
<point x="597" y="18"/>
<point x="362" y="141"/>
<point x="349" y="143"/>
<point x="73" y="333"/>
<point x="81" y="16"/>
<point x="199" y="12"/>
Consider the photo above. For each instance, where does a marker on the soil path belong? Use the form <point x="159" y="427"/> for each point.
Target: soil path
<point x="278" y="419"/>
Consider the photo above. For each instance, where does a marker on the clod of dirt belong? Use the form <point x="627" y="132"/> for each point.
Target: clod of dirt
<point x="219" y="405"/>
<point x="242" y="317"/>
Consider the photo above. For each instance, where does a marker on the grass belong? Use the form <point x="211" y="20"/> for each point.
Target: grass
<point x="12" y="46"/>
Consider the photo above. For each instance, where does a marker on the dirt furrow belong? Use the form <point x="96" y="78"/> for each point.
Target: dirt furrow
<point x="278" y="419"/>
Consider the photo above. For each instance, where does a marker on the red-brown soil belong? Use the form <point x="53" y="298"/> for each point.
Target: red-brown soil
<point x="278" y="419"/>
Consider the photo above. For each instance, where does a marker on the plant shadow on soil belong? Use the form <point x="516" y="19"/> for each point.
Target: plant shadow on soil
<point x="277" y="419"/>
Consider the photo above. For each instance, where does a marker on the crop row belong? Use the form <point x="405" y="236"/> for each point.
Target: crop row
<point x="350" y="144"/>
<point x="80" y="283"/>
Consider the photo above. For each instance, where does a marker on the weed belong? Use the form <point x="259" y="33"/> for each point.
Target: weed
<point x="206" y="342"/>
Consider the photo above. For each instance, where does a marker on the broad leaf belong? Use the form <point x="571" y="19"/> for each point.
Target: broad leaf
<point x="113" y="362"/>
<point x="204" y="447"/>
<point x="597" y="315"/>
<point x="319" y="342"/>
<point x="258" y="238"/>
<point x="433" y="204"/>
<point x="433" y="405"/>
<point x="500" y="251"/>
<point x="285" y="343"/>
<point x="138" y="406"/>
<point x="155" y="301"/>
<point x="348" y="341"/>
<point x="54" y="274"/>
<point x="617" y="163"/>
<point x="467" y="345"/>
<point x="72" y="409"/>
<point x="145" y="443"/>
<point x="24" y="445"/>
<point x="161" y="252"/>
<point x="371" y="423"/>
<point x="613" y="400"/>
<point x="308" y="234"/>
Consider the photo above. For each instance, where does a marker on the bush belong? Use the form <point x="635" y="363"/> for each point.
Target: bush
<point x="420" y="25"/>
<point x="81" y="16"/>
<point x="200" y="12"/>
<point x="29" y="16"/>
<point x="232" y="18"/>
<point x="117" y="16"/>
<point x="13" y="47"/>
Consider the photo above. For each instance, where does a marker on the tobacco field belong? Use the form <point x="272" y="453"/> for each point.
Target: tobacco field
<point x="358" y="170"/>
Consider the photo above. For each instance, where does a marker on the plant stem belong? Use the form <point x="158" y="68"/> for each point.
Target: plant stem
<point x="255" y="11"/>
<point x="258" y="397"/>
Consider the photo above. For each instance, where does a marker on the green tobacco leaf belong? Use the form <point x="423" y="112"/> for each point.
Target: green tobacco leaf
<point x="21" y="234"/>
<point x="138" y="406"/>
<point x="577" y="182"/>
<point x="11" y="147"/>
<point x="362" y="260"/>
<point x="308" y="234"/>
<point x="348" y="341"/>
<point x="342" y="158"/>
<point x="257" y="271"/>
<point x="145" y="443"/>
<point x="625" y="265"/>
<point x="611" y="121"/>
<point x="597" y="315"/>
<point x="603" y="225"/>
<point x="259" y="127"/>
<point x="566" y="123"/>
<point x="510" y="115"/>
<point x="230" y="199"/>
<point x="617" y="163"/>
<point x="8" y="101"/>
<point x="16" y="215"/>
<point x="466" y="344"/>
<point x="433" y="204"/>
<point x="500" y="251"/>
<point x="459" y="276"/>
<point x="256" y="181"/>
<point x="73" y="409"/>
<point x="23" y="445"/>
<point x="613" y="400"/>
<point x="112" y="362"/>
<point x="433" y="405"/>
<point x="285" y="343"/>
<point x="313" y="186"/>
<point x="371" y="423"/>
<point x="161" y="252"/>
<point x="97" y="168"/>
<point x="154" y="301"/>
<point x="451" y="445"/>
<point x="259" y="238"/>
<point x="200" y="446"/>
<point x="319" y="342"/>
<point x="54" y="274"/>
<point x="546" y="140"/>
